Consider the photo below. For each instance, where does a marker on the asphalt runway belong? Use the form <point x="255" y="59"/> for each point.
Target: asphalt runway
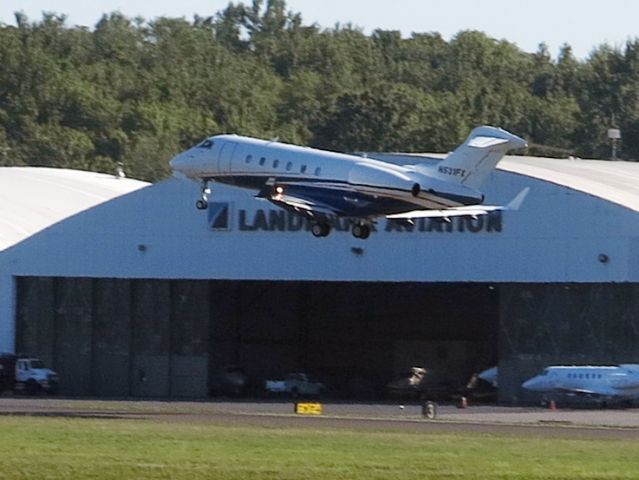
<point x="616" y="423"/>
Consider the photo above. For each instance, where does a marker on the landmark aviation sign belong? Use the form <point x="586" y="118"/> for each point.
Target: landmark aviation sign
<point x="221" y="217"/>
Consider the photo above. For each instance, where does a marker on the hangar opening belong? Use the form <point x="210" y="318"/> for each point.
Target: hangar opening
<point x="167" y="338"/>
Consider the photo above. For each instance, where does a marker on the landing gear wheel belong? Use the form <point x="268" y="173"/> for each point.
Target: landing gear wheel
<point x="361" y="231"/>
<point x="203" y="202"/>
<point x="320" y="229"/>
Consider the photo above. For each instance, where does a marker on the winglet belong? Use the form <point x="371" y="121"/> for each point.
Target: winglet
<point x="516" y="202"/>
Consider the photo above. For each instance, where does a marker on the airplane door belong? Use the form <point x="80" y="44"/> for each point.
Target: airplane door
<point x="226" y="154"/>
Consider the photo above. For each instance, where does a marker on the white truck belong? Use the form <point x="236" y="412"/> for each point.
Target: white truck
<point x="25" y="374"/>
<point x="295" y="384"/>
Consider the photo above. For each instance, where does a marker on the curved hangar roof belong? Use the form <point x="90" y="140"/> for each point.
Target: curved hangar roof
<point x="615" y="181"/>
<point x="34" y="198"/>
<point x="564" y="232"/>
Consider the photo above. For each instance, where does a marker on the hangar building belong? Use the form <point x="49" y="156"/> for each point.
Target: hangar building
<point x="126" y="289"/>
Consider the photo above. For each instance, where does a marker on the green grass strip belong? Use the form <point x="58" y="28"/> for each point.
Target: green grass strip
<point x="54" y="448"/>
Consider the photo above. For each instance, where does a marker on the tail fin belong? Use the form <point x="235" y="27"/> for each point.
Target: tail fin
<point x="473" y="161"/>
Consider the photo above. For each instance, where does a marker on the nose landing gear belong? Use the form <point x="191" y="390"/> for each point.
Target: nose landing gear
<point x="203" y="202"/>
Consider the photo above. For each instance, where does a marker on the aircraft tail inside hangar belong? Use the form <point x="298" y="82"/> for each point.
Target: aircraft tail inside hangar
<point x="141" y="295"/>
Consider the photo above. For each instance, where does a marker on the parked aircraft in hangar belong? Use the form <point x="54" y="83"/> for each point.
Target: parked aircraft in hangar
<point x="322" y="185"/>
<point x="606" y="383"/>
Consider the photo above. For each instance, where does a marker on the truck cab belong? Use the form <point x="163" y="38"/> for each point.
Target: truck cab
<point x="295" y="384"/>
<point x="33" y="376"/>
<point x="26" y="374"/>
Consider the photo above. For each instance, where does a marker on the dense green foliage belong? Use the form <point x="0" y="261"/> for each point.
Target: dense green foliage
<point x="76" y="448"/>
<point x="137" y="92"/>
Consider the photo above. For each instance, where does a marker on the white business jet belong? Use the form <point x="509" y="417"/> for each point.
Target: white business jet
<point x="620" y="382"/>
<point x="322" y="185"/>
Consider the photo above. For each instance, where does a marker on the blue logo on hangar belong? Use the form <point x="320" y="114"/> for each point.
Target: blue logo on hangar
<point x="219" y="215"/>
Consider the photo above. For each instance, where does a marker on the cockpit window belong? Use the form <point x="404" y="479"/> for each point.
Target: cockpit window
<point x="206" y="144"/>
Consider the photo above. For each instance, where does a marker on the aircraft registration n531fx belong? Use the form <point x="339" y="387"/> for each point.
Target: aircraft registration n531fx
<point x="322" y="185"/>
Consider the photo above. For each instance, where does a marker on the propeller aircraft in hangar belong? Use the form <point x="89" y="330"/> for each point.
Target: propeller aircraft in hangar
<point x="322" y="185"/>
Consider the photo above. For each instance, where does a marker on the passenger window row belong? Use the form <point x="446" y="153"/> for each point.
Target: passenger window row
<point x="584" y="375"/>
<point x="276" y="164"/>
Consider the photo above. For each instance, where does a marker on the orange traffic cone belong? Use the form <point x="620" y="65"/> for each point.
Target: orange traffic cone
<point x="552" y="405"/>
<point x="463" y="402"/>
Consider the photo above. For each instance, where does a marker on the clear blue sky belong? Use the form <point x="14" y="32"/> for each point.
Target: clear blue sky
<point x="583" y="24"/>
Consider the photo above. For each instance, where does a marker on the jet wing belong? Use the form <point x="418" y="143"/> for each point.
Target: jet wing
<point x="467" y="211"/>
<point x="581" y="391"/>
<point x="594" y="391"/>
<point x="304" y="206"/>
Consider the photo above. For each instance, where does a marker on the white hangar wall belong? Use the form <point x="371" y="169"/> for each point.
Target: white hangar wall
<point x="34" y="199"/>
<point x="546" y="258"/>
<point x="558" y="235"/>
<point x="7" y="313"/>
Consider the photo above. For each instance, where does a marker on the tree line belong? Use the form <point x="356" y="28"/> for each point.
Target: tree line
<point x="136" y="92"/>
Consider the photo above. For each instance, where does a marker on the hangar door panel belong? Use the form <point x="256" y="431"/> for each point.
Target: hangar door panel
<point x="73" y="339"/>
<point x="111" y="337"/>
<point x="150" y="339"/>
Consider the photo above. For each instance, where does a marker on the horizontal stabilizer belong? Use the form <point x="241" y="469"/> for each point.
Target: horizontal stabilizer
<point x="485" y="142"/>
<point x="471" y="163"/>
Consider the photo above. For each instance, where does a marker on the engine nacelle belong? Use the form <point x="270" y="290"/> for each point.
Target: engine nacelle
<point x="452" y="191"/>
<point x="413" y="183"/>
<point x="370" y="175"/>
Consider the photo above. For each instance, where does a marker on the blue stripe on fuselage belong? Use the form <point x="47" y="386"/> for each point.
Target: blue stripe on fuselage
<point x="346" y="199"/>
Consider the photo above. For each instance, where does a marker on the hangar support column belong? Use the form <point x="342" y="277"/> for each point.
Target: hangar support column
<point x="7" y="313"/>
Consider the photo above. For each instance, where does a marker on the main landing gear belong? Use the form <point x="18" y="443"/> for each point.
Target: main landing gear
<point x="361" y="231"/>
<point x="320" y="229"/>
<point x="203" y="202"/>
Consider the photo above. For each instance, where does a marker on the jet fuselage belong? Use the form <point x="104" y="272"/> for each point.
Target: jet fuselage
<point x="321" y="185"/>
<point x="621" y="381"/>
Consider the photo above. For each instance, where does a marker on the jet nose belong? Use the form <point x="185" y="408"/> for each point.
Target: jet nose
<point x="183" y="163"/>
<point x="531" y="384"/>
<point x="177" y="163"/>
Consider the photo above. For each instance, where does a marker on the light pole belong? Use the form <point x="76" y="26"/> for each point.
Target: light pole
<point x="614" y="135"/>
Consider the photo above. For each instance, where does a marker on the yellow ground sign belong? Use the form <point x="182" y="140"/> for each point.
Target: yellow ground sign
<point x="308" y="408"/>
